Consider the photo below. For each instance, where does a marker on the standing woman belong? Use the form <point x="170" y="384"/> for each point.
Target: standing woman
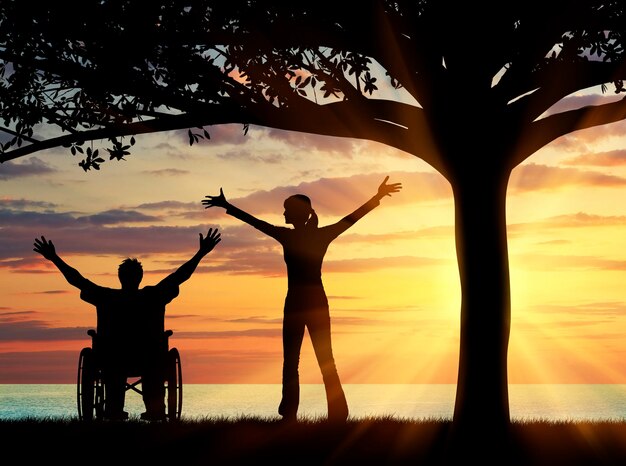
<point x="306" y="304"/>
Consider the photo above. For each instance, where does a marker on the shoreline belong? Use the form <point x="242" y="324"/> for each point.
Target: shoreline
<point x="580" y="402"/>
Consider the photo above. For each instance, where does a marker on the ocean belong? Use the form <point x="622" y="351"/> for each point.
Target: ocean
<point x="568" y="402"/>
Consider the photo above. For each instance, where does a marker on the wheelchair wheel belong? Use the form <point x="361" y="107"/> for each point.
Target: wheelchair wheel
<point x="174" y="385"/>
<point x="89" y="387"/>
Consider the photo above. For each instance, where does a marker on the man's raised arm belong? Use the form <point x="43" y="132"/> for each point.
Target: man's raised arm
<point x="207" y="244"/>
<point x="46" y="249"/>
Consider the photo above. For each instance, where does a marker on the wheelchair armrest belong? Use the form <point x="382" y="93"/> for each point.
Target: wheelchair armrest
<point x="91" y="332"/>
<point x="168" y="333"/>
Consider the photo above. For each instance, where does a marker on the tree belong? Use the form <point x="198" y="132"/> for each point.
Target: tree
<point x="476" y="83"/>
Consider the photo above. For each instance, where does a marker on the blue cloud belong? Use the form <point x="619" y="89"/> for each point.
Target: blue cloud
<point x="30" y="167"/>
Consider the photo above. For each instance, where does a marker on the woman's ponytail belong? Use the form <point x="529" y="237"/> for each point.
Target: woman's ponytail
<point x="313" y="221"/>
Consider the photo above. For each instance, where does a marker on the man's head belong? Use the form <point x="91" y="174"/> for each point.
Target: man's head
<point x="130" y="273"/>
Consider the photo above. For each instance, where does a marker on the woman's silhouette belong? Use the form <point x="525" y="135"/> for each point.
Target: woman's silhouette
<point x="306" y="305"/>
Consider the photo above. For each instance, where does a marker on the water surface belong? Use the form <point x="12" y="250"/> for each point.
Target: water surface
<point x="527" y="402"/>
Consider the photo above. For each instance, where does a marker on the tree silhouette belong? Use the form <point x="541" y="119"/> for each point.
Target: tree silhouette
<point x="468" y="87"/>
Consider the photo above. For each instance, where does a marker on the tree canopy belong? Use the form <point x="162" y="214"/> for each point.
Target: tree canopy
<point x="388" y="71"/>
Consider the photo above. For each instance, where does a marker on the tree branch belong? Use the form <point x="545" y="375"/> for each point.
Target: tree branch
<point x="561" y="80"/>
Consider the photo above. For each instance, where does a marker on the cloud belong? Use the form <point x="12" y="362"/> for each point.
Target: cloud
<point x="219" y="134"/>
<point x="271" y="264"/>
<point x="272" y="158"/>
<point x="21" y="326"/>
<point x="445" y="231"/>
<point x="601" y="159"/>
<point x="340" y="196"/>
<point x="51" y="219"/>
<point x="31" y="167"/>
<point x="255" y="320"/>
<point x="309" y="142"/>
<point x="364" y="321"/>
<point x="75" y="233"/>
<point x="386" y="310"/>
<point x="247" y="251"/>
<point x="608" y="308"/>
<point x="582" y="219"/>
<point x="560" y="262"/>
<point x="577" y="220"/>
<point x="42" y="220"/>
<point x="20" y="204"/>
<point x="72" y="236"/>
<point x="257" y="332"/>
<point x="173" y="205"/>
<point x="377" y="263"/>
<point x="38" y="367"/>
<point x="579" y="101"/>
<point x="167" y="172"/>
<point x="534" y="177"/>
<point x="234" y="134"/>
<point x="115" y="216"/>
<point x="8" y="316"/>
<point x="17" y="329"/>
<point x="561" y="326"/>
<point x="251" y="260"/>
<point x="586" y="139"/>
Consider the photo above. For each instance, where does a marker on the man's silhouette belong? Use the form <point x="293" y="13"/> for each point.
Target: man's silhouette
<point x="130" y="324"/>
<point x="306" y="304"/>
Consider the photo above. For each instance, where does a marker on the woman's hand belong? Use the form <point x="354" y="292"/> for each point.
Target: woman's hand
<point x="215" y="201"/>
<point x="386" y="189"/>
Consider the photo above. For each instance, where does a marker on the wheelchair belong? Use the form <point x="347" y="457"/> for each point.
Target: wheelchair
<point x="91" y="390"/>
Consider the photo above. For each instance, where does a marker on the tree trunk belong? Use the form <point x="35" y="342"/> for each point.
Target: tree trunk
<point x="481" y="411"/>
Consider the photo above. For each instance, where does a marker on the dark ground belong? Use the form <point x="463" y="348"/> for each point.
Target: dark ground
<point x="259" y="442"/>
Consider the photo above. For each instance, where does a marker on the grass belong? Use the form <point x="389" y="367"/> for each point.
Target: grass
<point x="257" y="441"/>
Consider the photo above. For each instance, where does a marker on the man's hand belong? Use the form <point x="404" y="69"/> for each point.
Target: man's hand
<point x="212" y="238"/>
<point x="45" y="248"/>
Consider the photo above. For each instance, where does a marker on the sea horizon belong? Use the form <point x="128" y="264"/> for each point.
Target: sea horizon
<point x="527" y="402"/>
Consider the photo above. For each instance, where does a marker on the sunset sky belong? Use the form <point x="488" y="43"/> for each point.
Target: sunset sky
<point x="392" y="279"/>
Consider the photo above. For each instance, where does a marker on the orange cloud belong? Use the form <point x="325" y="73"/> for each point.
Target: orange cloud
<point x="534" y="177"/>
<point x="577" y="220"/>
<point x="613" y="158"/>
<point x="339" y="196"/>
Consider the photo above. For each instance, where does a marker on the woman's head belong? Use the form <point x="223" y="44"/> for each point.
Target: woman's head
<point x="299" y="211"/>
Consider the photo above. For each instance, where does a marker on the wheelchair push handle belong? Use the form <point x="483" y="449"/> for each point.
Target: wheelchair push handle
<point x="92" y="333"/>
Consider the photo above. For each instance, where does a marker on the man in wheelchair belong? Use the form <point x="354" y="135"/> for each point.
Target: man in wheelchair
<point x="130" y="325"/>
